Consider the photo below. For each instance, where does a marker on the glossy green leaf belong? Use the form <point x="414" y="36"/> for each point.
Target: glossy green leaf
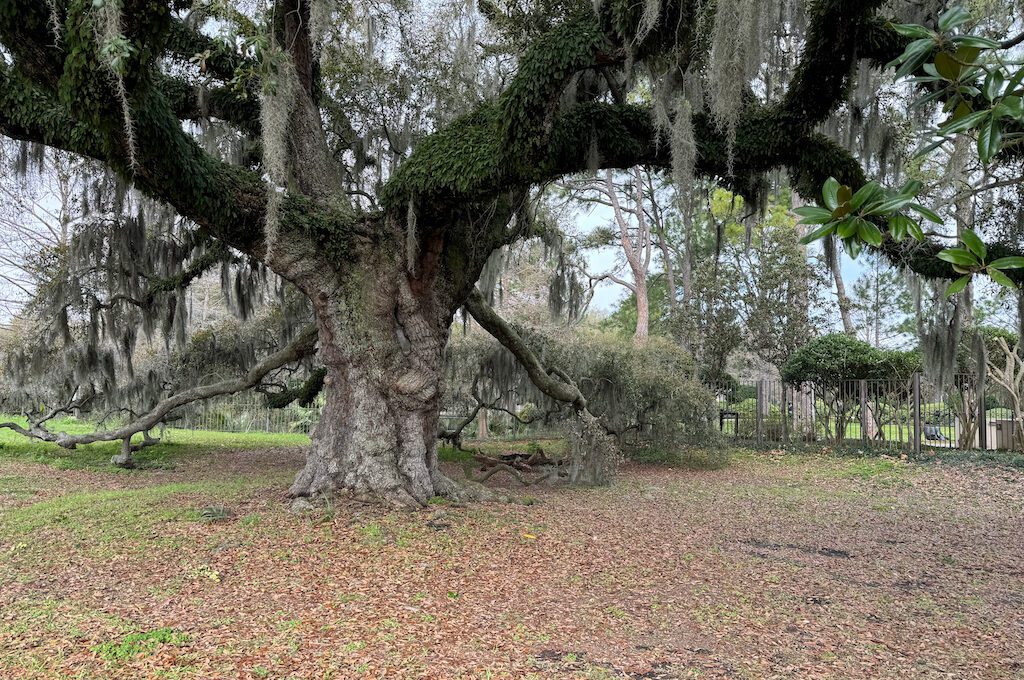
<point x="868" y="232"/>
<point x="853" y="248"/>
<point x="813" y="215"/>
<point x="947" y="66"/>
<point x="1007" y="263"/>
<point x="974" y="41"/>
<point x="847" y="228"/>
<point x="957" y="286"/>
<point x="990" y="140"/>
<point x="953" y="17"/>
<point x="830" y="193"/>
<point x="865" y="194"/>
<point x="912" y="30"/>
<point x="911" y="187"/>
<point x="994" y="83"/>
<point x="889" y="205"/>
<point x="820" y="232"/>
<point x="1001" y="278"/>
<point x="898" y="228"/>
<point x="974" y="243"/>
<point x="964" y="258"/>
<point x="967" y="51"/>
<point x="1010" y="106"/>
<point x="913" y="57"/>
<point x="971" y="120"/>
<point x="915" y="230"/>
<point x="926" y="213"/>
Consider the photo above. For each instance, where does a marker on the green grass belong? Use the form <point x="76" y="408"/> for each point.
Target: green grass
<point x="106" y="522"/>
<point x="138" y="644"/>
<point x="688" y="458"/>
<point x="175" y="444"/>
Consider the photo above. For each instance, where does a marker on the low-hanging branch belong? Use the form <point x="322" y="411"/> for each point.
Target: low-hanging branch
<point x="550" y="381"/>
<point x="454" y="435"/>
<point x="303" y="345"/>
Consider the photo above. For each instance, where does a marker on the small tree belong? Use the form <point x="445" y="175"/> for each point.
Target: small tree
<point x="834" y="364"/>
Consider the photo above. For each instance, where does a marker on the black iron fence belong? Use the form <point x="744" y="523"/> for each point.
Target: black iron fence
<point x="898" y="414"/>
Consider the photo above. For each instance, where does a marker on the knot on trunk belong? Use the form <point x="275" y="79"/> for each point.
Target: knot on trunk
<point x="416" y="383"/>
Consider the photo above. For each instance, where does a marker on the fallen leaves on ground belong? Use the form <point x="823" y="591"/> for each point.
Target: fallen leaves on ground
<point x="776" y="566"/>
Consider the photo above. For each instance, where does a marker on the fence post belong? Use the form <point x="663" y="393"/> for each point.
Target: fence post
<point x="785" y="412"/>
<point x="916" y="413"/>
<point x="759" y="410"/>
<point x="864" y="413"/>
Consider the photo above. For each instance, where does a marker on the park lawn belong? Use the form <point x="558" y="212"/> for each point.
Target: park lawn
<point x="773" y="565"/>
<point x="174" y="443"/>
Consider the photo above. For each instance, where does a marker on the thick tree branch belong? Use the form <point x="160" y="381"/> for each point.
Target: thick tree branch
<point x="302" y="346"/>
<point x="509" y="337"/>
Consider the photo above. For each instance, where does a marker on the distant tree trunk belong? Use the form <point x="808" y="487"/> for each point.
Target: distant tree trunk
<point x="482" y="431"/>
<point x="643" y="312"/>
<point x="670" y="277"/>
<point x="832" y="255"/>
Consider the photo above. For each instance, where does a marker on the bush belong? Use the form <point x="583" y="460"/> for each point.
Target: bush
<point x="833" y="359"/>
<point x="648" y="393"/>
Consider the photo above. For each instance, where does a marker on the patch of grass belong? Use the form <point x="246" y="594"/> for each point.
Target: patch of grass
<point x="99" y="519"/>
<point x="57" y="617"/>
<point x="1010" y="459"/>
<point x="373" y="533"/>
<point x="251" y="520"/>
<point x="18" y="487"/>
<point x="138" y="644"/>
<point x="795" y="452"/>
<point x="686" y="458"/>
<point x="870" y="468"/>
<point x="175" y="444"/>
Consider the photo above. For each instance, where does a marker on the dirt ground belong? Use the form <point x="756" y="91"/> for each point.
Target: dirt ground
<point x="774" y="566"/>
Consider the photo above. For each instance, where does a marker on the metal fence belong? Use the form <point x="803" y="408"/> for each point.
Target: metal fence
<point x="898" y="414"/>
<point x="907" y="415"/>
<point x="245" y="413"/>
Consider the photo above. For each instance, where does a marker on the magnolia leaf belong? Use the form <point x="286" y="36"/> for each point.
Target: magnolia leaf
<point x="864" y="194"/>
<point x="818" y="233"/>
<point x="912" y="30"/>
<point x="847" y="228"/>
<point x="973" y="41"/>
<point x="1007" y="263"/>
<point x="926" y="213"/>
<point x="1001" y="278"/>
<point x="947" y="66"/>
<point x="915" y="229"/>
<point x="990" y="140"/>
<point x="974" y="243"/>
<point x="959" y="256"/>
<point x="953" y="17"/>
<point x="868" y="232"/>
<point x="829" y="193"/>
<point x="813" y="215"/>
<point x="889" y="205"/>
<point x="957" y="286"/>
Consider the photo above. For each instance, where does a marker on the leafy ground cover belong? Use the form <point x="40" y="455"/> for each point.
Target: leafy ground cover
<point x="773" y="565"/>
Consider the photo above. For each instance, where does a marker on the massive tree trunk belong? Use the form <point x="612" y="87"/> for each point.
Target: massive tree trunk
<point x="383" y="334"/>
